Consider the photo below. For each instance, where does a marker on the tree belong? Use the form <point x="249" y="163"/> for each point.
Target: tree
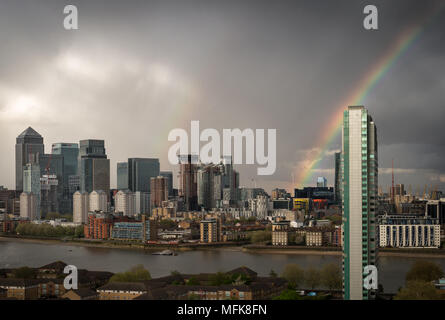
<point x="312" y="277"/>
<point x="24" y="273"/>
<point x="418" y="290"/>
<point x="424" y="271"/>
<point x="167" y="224"/>
<point x="260" y="236"/>
<point x="193" y="281"/>
<point x="272" y="273"/>
<point x="294" y="274"/>
<point x="135" y="274"/>
<point x="331" y="276"/>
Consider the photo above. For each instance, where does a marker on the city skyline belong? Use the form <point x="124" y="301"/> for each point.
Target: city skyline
<point x="165" y="80"/>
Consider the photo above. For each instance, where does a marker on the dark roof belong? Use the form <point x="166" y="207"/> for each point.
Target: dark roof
<point x="6" y="282"/>
<point x="28" y="133"/>
<point x="84" y="292"/>
<point x="58" y="265"/>
<point x="243" y="270"/>
<point x="124" y="286"/>
<point x="157" y="294"/>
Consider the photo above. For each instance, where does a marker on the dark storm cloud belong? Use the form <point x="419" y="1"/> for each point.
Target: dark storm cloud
<point x="137" y="69"/>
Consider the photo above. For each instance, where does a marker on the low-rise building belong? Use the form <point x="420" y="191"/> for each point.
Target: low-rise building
<point x="280" y="233"/>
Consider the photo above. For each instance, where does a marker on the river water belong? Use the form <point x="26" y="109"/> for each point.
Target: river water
<point x="392" y="270"/>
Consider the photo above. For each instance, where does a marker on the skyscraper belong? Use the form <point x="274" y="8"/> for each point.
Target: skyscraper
<point x="337" y="185"/>
<point x="94" y="167"/>
<point x="70" y="154"/>
<point x="159" y="191"/>
<point x="122" y="175"/>
<point x="31" y="184"/>
<point x="359" y="192"/>
<point x="169" y="176"/>
<point x="322" y="182"/>
<point x="188" y="189"/>
<point x="51" y="174"/>
<point x="28" y="144"/>
<point x="140" y="171"/>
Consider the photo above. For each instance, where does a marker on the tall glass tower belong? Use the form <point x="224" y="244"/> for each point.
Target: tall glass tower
<point x="359" y="199"/>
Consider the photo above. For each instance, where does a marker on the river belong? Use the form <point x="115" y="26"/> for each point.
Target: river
<point x="392" y="270"/>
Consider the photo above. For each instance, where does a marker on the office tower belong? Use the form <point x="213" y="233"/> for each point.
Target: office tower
<point x="125" y="202"/>
<point x="169" y="176"/>
<point x="188" y="181"/>
<point x="399" y="190"/>
<point x="122" y="175"/>
<point x="359" y="193"/>
<point x="140" y="171"/>
<point x="98" y="201"/>
<point x="28" y="206"/>
<point x="31" y="183"/>
<point x="337" y="185"/>
<point x="80" y="207"/>
<point x="142" y="200"/>
<point x="322" y="182"/>
<point x="94" y="167"/>
<point x="51" y="177"/>
<point x="159" y="191"/>
<point x="28" y="145"/>
<point x="70" y="154"/>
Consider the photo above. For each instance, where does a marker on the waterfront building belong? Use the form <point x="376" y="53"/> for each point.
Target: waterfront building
<point x="98" y="201"/>
<point x="144" y="230"/>
<point x="359" y="194"/>
<point x="210" y="230"/>
<point x="409" y="231"/>
<point x="125" y="202"/>
<point x="28" y="206"/>
<point x="280" y="233"/>
<point x="80" y="207"/>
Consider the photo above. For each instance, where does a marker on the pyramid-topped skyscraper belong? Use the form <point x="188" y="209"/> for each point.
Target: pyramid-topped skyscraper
<point x="29" y="144"/>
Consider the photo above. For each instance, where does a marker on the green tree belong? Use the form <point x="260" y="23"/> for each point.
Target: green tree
<point x="24" y="273"/>
<point x="294" y="274"/>
<point x="135" y="274"/>
<point x="424" y="271"/>
<point x="193" y="281"/>
<point x="418" y="290"/>
<point x="331" y="276"/>
<point x="312" y="277"/>
<point x="272" y="273"/>
<point x="260" y="236"/>
<point x="167" y="224"/>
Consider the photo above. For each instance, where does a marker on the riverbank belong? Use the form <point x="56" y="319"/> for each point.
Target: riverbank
<point x="260" y="249"/>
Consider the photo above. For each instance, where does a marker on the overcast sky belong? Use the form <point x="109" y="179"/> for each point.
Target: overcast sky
<point x="137" y="69"/>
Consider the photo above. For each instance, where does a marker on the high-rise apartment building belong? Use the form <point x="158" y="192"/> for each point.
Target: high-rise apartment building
<point x="122" y="175"/>
<point x="28" y="205"/>
<point x="125" y="202"/>
<point x="159" y="191"/>
<point x="28" y="145"/>
<point x="210" y="230"/>
<point x="98" y="201"/>
<point x="80" y="207"/>
<point x="359" y="193"/>
<point x="94" y="167"/>
<point x="188" y="189"/>
<point x="337" y="184"/>
<point x="169" y="176"/>
<point x="140" y="171"/>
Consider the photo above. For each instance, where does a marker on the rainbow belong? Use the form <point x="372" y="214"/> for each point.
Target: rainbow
<point x="359" y="94"/>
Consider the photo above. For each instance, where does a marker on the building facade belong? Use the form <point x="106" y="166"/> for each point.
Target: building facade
<point x="80" y="207"/>
<point x="359" y="194"/>
<point x="140" y="171"/>
<point x="94" y="167"/>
